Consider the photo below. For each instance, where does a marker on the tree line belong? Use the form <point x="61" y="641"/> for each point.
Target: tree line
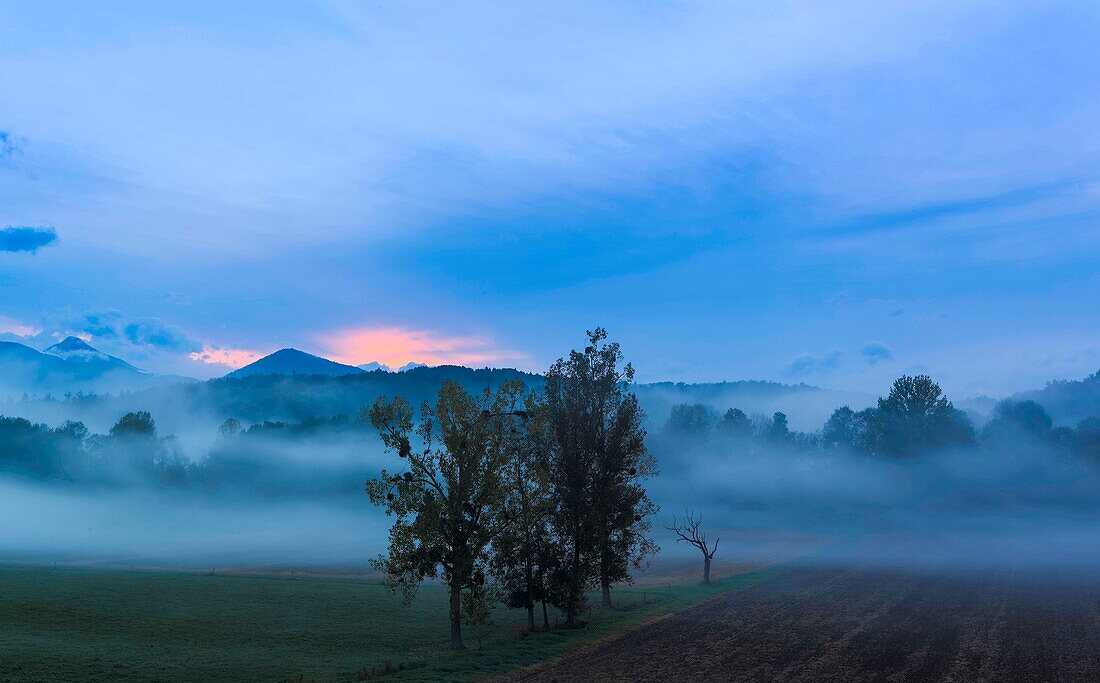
<point x="915" y="417"/>
<point x="241" y="459"/>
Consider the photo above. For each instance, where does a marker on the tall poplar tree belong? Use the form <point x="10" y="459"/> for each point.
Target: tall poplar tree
<point x="598" y="463"/>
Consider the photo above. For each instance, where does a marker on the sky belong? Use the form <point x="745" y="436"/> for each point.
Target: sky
<point x="829" y="193"/>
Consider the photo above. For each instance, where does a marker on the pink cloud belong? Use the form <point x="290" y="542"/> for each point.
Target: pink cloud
<point x="10" y="326"/>
<point x="396" y="346"/>
<point x="234" y="358"/>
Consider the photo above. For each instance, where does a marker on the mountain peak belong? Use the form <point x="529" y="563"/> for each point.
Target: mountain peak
<point x="75" y="349"/>
<point x="290" y="361"/>
<point x="71" y="343"/>
<point x="375" y="365"/>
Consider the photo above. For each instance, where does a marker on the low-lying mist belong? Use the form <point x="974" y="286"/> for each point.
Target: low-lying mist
<point x="952" y="506"/>
<point x="148" y="527"/>
<point x="1018" y="492"/>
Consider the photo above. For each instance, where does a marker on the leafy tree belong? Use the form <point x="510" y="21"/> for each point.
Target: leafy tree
<point x="38" y="451"/>
<point x="840" y="429"/>
<point x="137" y="424"/>
<point x="1086" y="442"/>
<point x="599" y="461"/>
<point x="694" y="420"/>
<point x="736" y="423"/>
<point x="134" y="443"/>
<point x="846" y="428"/>
<point x="916" y="417"/>
<point x="231" y="427"/>
<point x="449" y="502"/>
<point x="523" y="552"/>
<point x="1015" y="419"/>
<point x="779" y="430"/>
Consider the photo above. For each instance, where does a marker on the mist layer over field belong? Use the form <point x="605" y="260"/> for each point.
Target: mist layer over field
<point x="1029" y="507"/>
<point x="290" y="491"/>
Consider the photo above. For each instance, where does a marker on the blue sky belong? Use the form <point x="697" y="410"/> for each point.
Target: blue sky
<point x="791" y="191"/>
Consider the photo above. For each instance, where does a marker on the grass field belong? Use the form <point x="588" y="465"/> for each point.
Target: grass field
<point x="91" y="625"/>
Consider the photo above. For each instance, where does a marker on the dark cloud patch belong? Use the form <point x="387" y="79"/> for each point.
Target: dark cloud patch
<point x="876" y="352"/>
<point x="8" y="146"/>
<point x="119" y="331"/>
<point x="154" y="332"/>
<point x="97" y="324"/>
<point x="804" y="365"/>
<point x="21" y="238"/>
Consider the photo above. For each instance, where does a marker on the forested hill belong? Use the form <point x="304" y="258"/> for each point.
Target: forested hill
<point x="296" y="397"/>
<point x="1068" y="402"/>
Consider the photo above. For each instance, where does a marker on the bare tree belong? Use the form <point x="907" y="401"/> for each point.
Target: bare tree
<point x="689" y="531"/>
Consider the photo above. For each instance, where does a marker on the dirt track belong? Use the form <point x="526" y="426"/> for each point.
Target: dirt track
<point x="814" y="625"/>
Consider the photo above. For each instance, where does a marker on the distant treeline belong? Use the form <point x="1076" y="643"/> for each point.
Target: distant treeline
<point x="914" y="418"/>
<point x="249" y="458"/>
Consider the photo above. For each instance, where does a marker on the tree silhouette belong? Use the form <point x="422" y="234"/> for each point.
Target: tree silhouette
<point x="599" y="459"/>
<point x="523" y="553"/>
<point x="231" y="427"/>
<point x="688" y="531"/>
<point x="137" y="424"/>
<point x="449" y="502"/>
<point x="779" y="429"/>
<point x="736" y="423"/>
<point x="917" y="417"/>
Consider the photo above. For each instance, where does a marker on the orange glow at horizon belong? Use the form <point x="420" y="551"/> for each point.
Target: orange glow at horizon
<point x="396" y="346"/>
<point x="234" y="358"/>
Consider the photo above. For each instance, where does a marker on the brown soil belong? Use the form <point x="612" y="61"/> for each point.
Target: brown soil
<point x="865" y="625"/>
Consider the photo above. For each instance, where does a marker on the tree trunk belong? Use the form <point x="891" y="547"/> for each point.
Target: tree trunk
<point x="456" y="618"/>
<point x="605" y="582"/>
<point x="530" y="588"/>
<point x="545" y="617"/>
<point x="706" y="569"/>
<point x="526" y="551"/>
<point x="574" y="580"/>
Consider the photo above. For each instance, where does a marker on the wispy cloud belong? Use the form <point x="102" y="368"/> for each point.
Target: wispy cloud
<point x="396" y="346"/>
<point x="876" y="352"/>
<point x="24" y="238"/>
<point x="807" y="364"/>
<point x="229" y="357"/>
<point x="154" y="332"/>
<point x="715" y="164"/>
<point x="17" y="328"/>
<point x="119" y="331"/>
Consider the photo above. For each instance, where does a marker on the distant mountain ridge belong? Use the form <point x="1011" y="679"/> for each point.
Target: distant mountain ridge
<point x="294" y="362"/>
<point x="78" y="350"/>
<point x="291" y="361"/>
<point x="375" y="365"/>
<point x="807" y="406"/>
<point x="292" y="384"/>
<point x="70" y="366"/>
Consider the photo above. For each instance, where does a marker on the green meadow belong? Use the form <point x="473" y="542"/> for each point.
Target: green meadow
<point x="92" y="625"/>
